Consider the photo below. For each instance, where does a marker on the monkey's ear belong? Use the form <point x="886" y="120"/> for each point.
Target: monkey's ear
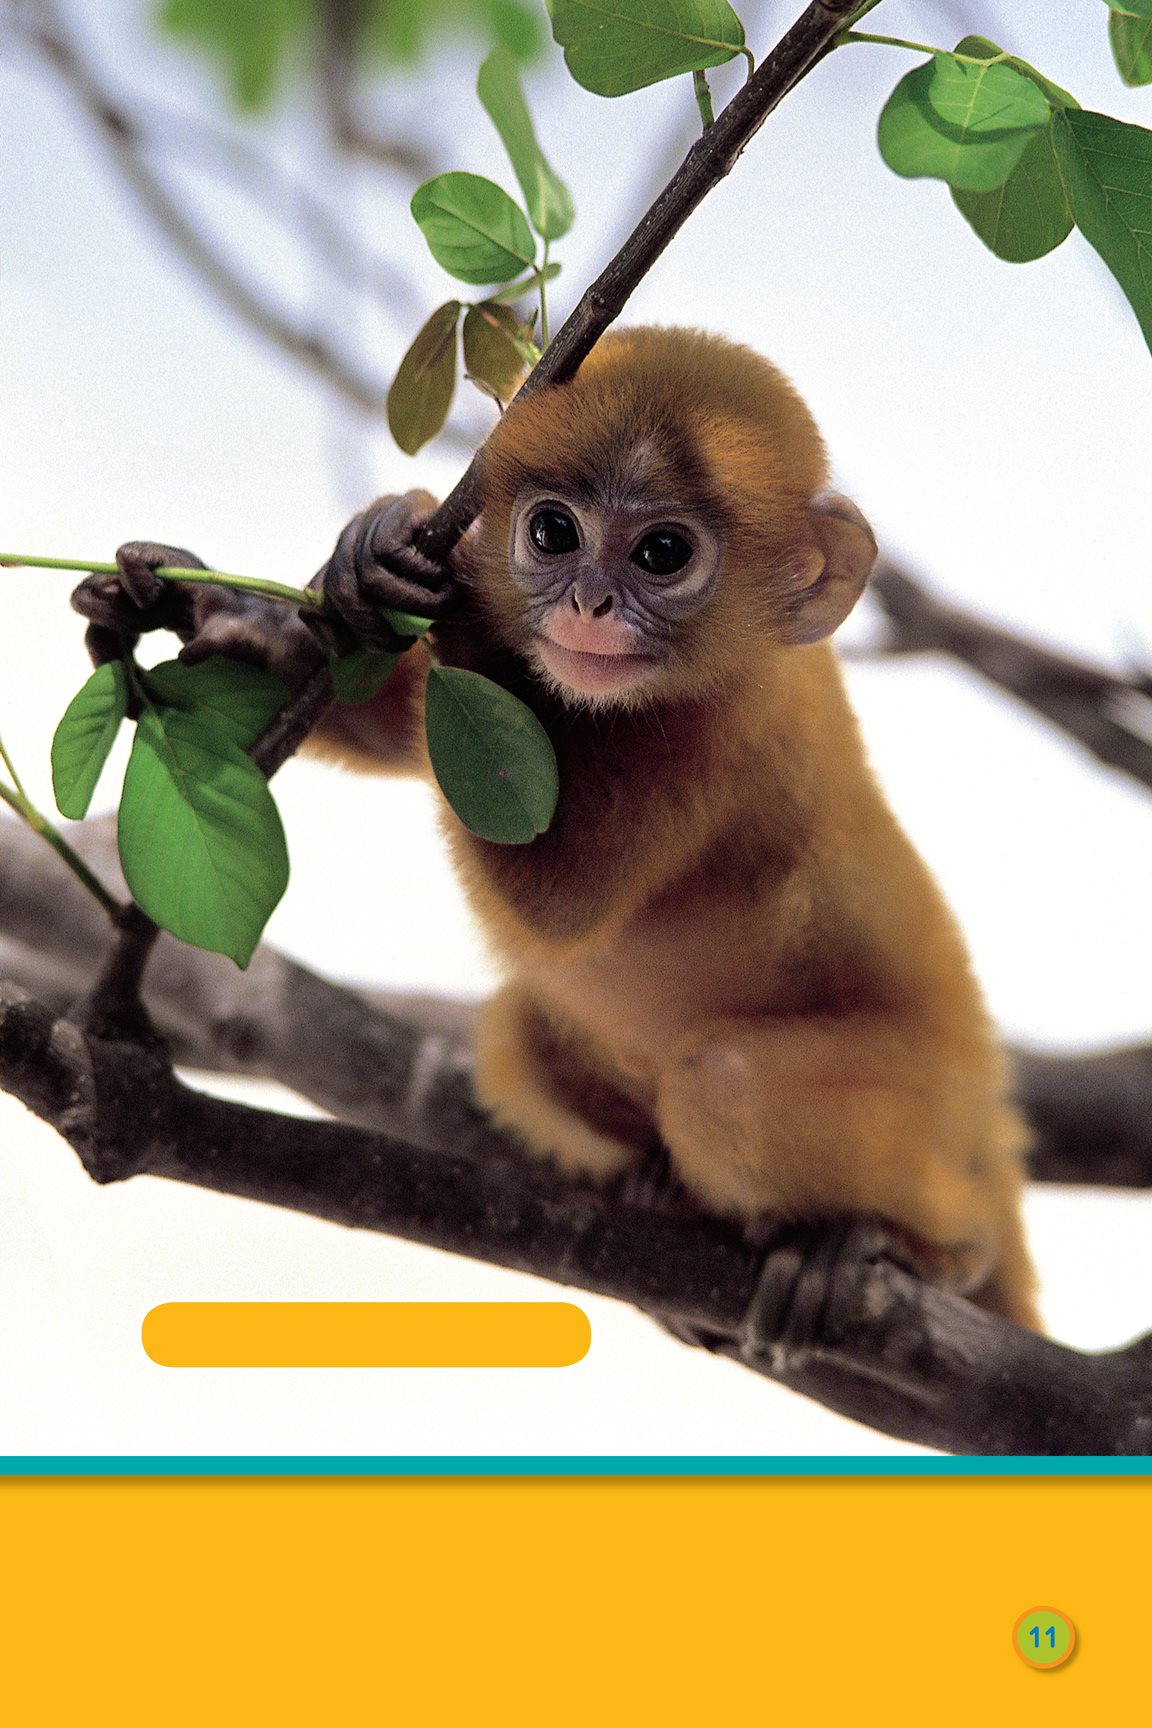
<point x="844" y="553"/>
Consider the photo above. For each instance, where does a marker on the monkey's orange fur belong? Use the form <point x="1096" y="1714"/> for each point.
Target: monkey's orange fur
<point x="725" y="940"/>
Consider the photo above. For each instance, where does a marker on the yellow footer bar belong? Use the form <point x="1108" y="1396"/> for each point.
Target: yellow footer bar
<point x="366" y="1334"/>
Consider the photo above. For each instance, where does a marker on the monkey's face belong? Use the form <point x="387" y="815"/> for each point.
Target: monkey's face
<point x="657" y="528"/>
<point x="607" y="589"/>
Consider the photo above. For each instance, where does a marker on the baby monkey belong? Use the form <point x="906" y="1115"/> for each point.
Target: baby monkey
<point x="724" y="942"/>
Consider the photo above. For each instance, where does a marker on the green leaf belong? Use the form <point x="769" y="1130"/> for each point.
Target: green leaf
<point x="980" y="48"/>
<point x="1107" y="170"/>
<point x="968" y="125"/>
<point x="550" y="208"/>
<point x="249" y="38"/>
<point x="491" y="756"/>
<point x="493" y="348"/>
<point x="613" y="47"/>
<point x="238" y="698"/>
<point x="1131" y="39"/>
<point x="356" y="677"/>
<point x="1134" y="8"/>
<point x="200" y="838"/>
<point x="473" y="229"/>
<point x="1027" y="216"/>
<point x="85" y="736"/>
<point x="421" y="392"/>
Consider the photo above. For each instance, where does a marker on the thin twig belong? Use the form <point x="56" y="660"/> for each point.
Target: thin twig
<point x="710" y="159"/>
<point x="342" y="28"/>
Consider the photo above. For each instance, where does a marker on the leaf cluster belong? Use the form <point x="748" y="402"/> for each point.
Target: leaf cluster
<point x="480" y="235"/>
<point x="1024" y="162"/>
<point x="201" y="843"/>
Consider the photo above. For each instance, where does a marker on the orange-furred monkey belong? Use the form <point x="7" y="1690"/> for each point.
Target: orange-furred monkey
<point x="724" y="940"/>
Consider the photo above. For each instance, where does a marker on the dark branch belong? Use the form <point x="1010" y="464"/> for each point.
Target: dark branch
<point x="401" y="1062"/>
<point x="828" y="1311"/>
<point x="1091" y="1116"/>
<point x="1097" y="707"/>
<point x="299" y="716"/>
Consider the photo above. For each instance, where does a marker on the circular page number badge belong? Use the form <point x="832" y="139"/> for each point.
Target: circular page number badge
<point x="1043" y="1637"/>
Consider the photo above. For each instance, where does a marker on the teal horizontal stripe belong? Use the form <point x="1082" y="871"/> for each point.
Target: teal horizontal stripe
<point x="560" y="1465"/>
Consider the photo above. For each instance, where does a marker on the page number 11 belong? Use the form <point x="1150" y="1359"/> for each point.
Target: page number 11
<point x="1044" y="1637"/>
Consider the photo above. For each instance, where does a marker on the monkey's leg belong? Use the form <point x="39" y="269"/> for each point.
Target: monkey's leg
<point x="824" y="1117"/>
<point x="535" y="1079"/>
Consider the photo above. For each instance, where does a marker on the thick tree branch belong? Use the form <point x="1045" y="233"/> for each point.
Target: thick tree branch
<point x="1091" y="1116"/>
<point x="1110" y="715"/>
<point x="827" y="1311"/>
<point x="402" y="1062"/>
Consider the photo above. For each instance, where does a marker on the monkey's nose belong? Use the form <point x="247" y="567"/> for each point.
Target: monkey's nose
<point x="599" y="610"/>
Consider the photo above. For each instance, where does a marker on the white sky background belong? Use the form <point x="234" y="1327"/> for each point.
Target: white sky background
<point x="995" y="424"/>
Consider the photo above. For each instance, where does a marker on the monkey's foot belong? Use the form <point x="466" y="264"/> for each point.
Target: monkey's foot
<point x="961" y="1267"/>
<point x="651" y="1182"/>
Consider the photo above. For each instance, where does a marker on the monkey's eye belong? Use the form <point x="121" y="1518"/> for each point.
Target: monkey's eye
<point x="553" y="531"/>
<point x="662" y="552"/>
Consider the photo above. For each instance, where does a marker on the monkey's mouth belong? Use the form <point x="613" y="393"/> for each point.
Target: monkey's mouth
<point x="594" y="674"/>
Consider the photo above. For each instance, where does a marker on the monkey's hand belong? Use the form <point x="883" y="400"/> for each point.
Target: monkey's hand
<point x="377" y="564"/>
<point x="208" y="619"/>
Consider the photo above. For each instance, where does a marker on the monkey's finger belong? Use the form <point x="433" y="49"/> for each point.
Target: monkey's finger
<point x="375" y="564"/>
<point x="138" y="559"/>
<point x="103" y="644"/>
<point x="103" y="600"/>
<point x="341" y="582"/>
<point x="339" y="579"/>
<point x="395" y="565"/>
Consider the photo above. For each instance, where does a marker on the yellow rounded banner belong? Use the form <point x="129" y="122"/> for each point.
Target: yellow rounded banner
<point x="366" y="1334"/>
